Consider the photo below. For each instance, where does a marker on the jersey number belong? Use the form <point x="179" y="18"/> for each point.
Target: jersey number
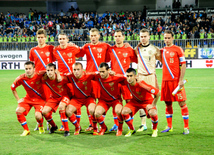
<point x="171" y="60"/>
<point x="70" y="61"/>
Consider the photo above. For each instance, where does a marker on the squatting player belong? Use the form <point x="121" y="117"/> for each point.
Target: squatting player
<point x="147" y="54"/>
<point x="82" y="95"/>
<point x="32" y="84"/>
<point x="173" y="75"/>
<point x="109" y="95"/>
<point x="57" y="96"/>
<point x="141" y="99"/>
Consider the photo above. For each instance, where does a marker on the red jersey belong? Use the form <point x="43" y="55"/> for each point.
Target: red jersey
<point x="41" y="56"/>
<point x="121" y="58"/>
<point x="109" y="89"/>
<point x="32" y="86"/>
<point x="57" y="89"/>
<point x="82" y="87"/>
<point x="95" y="55"/>
<point x="65" y="57"/>
<point x="143" y="92"/>
<point x="172" y="57"/>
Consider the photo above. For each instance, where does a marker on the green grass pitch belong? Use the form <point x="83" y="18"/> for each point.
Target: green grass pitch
<point x="200" y="101"/>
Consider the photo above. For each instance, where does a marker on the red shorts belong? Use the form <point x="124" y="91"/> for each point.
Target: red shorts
<point x="106" y="105"/>
<point x="135" y="106"/>
<point x="27" y="104"/>
<point x="166" y="92"/>
<point x="78" y="103"/>
<point x="54" y="102"/>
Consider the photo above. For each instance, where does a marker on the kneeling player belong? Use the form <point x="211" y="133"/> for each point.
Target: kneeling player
<point x="82" y="92"/>
<point x="142" y="99"/>
<point x="32" y="84"/>
<point x="57" y="96"/>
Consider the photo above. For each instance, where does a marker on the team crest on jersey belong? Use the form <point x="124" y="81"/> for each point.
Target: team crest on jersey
<point x="119" y="52"/>
<point x="64" y="53"/>
<point x="172" y="54"/>
<point x="111" y="84"/>
<point x="125" y="54"/>
<point x="138" y="93"/>
<point x="69" y="54"/>
<point x="99" y="50"/>
<point x="85" y="82"/>
<point x="31" y="83"/>
<point x="59" y="86"/>
<point x="37" y="82"/>
<point x="47" y="54"/>
<point x="144" y="49"/>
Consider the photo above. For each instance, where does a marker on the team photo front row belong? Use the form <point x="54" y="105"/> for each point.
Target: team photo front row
<point x="49" y="90"/>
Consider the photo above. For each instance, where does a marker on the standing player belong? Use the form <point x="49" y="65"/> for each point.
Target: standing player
<point x="32" y="84"/>
<point x="96" y="53"/>
<point x="147" y="55"/>
<point x="109" y="95"/>
<point x="142" y="99"/>
<point x="82" y="95"/>
<point x="57" y="96"/>
<point x="120" y="57"/>
<point x="42" y="54"/>
<point x="65" y="54"/>
<point x="173" y="57"/>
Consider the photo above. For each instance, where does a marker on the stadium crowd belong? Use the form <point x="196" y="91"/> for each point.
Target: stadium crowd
<point x="19" y="27"/>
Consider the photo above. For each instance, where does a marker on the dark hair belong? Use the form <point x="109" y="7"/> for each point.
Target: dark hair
<point x="51" y="65"/>
<point x="131" y="70"/>
<point x="78" y="63"/>
<point x="30" y="63"/>
<point x="119" y="30"/>
<point x="103" y="64"/>
<point x="169" y="32"/>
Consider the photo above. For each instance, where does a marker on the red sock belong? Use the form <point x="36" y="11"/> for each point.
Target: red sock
<point x="78" y="115"/>
<point x="73" y="120"/>
<point x="100" y="120"/>
<point x="169" y="113"/>
<point x="129" y="121"/>
<point x="40" y="122"/>
<point x="94" y="123"/>
<point x="49" y="119"/>
<point x="89" y="117"/>
<point x="64" y="119"/>
<point x="154" y="121"/>
<point x="120" y="123"/>
<point x="21" y="118"/>
<point x="185" y="115"/>
<point x="115" y="117"/>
